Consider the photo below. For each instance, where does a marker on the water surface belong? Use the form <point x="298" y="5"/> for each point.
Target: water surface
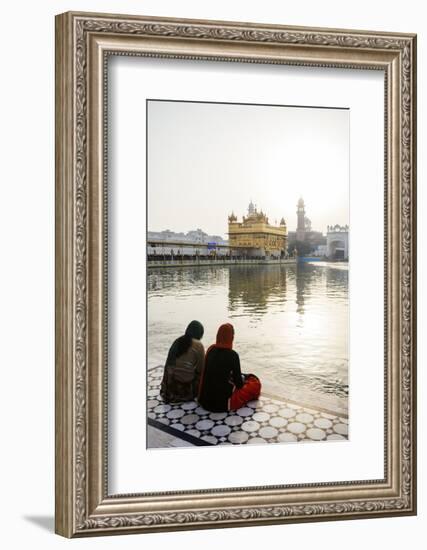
<point x="291" y="321"/>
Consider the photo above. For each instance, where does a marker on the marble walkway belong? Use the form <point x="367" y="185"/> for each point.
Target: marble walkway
<point x="266" y="420"/>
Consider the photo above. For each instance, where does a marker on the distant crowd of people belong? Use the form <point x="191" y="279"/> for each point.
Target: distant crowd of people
<point x="204" y="257"/>
<point x="213" y="378"/>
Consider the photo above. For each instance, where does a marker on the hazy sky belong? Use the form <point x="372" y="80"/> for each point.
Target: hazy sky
<point x="206" y="160"/>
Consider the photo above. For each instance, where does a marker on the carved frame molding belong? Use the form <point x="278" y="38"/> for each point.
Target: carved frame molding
<point x="83" y="43"/>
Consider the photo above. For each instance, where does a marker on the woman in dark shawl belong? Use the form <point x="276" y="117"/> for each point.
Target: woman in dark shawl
<point x="184" y="365"/>
<point x="222" y="385"/>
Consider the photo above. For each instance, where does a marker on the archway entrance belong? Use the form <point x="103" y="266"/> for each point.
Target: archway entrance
<point x="336" y="250"/>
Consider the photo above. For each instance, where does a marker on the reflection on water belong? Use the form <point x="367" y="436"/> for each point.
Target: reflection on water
<point x="291" y="321"/>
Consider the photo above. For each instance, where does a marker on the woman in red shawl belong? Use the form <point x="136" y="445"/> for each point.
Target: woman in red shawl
<point x="222" y="385"/>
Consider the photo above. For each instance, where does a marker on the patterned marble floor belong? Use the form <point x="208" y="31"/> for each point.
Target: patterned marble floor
<point x="266" y="420"/>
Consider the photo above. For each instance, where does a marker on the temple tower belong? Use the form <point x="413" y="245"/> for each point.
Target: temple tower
<point x="300" y="220"/>
<point x="251" y="209"/>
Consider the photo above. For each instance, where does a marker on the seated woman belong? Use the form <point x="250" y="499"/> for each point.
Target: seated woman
<point x="184" y="364"/>
<point x="222" y="385"/>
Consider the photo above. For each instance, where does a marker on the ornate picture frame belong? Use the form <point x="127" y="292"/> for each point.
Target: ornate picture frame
<point x="84" y="506"/>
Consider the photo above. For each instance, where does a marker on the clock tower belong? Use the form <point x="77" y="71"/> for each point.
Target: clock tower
<point x="300" y="220"/>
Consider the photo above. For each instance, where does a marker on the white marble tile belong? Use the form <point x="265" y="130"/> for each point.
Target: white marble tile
<point x="238" y="437"/>
<point x="201" y="411"/>
<point x="268" y="432"/>
<point x="335" y="437"/>
<point x="175" y="413"/>
<point x="323" y="423"/>
<point x="270" y="408"/>
<point x="234" y="420"/>
<point x="261" y="416"/>
<point x="162" y="408"/>
<point x="189" y="419"/>
<point x="254" y="404"/>
<point x="205" y="424"/>
<point x="189" y="406"/>
<point x="250" y="426"/>
<point x="286" y="437"/>
<point x="296" y="427"/>
<point x="316" y="433"/>
<point x="341" y="429"/>
<point x="218" y="415"/>
<point x="244" y="411"/>
<point x="287" y="413"/>
<point x="221" y="430"/>
<point x="304" y="417"/>
<point x="278" y="422"/>
<point x="257" y="441"/>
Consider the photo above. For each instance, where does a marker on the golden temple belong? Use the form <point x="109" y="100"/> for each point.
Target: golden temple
<point x="256" y="236"/>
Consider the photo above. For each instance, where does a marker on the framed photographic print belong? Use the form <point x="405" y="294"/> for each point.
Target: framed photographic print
<point x="235" y="274"/>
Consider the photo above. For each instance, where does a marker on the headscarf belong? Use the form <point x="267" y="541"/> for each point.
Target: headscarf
<point x="195" y="330"/>
<point x="225" y="336"/>
<point x="182" y="344"/>
<point x="224" y="340"/>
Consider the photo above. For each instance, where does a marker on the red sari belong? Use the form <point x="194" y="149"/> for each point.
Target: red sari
<point x="242" y="392"/>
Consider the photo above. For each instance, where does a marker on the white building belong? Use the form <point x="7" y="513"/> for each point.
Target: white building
<point x="337" y="242"/>
<point x="194" y="236"/>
